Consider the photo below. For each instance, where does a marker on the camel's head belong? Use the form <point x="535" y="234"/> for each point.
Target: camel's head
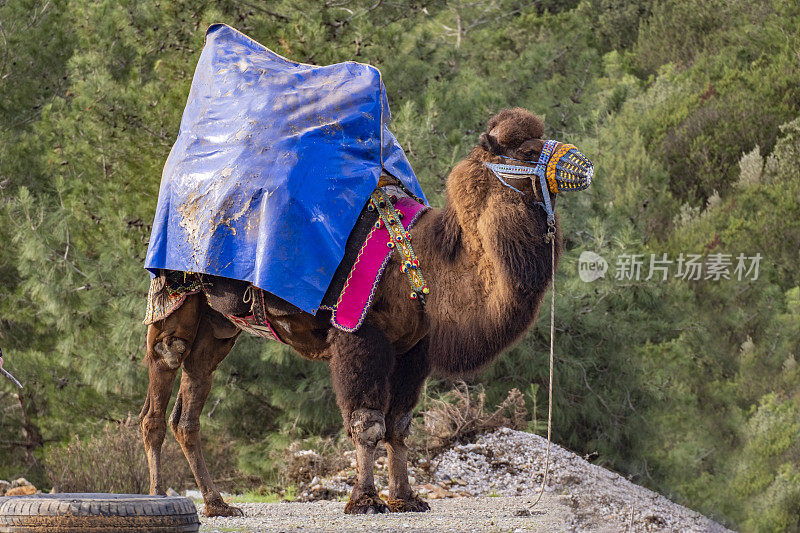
<point x="526" y="162"/>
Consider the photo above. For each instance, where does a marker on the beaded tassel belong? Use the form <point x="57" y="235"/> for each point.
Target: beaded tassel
<point x="399" y="240"/>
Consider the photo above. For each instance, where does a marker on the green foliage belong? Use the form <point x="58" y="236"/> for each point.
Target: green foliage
<point x="766" y="476"/>
<point x="255" y="496"/>
<point x="617" y="22"/>
<point x="688" y="108"/>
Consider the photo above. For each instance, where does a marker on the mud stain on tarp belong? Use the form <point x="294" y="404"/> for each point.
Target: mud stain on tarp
<point x="202" y="215"/>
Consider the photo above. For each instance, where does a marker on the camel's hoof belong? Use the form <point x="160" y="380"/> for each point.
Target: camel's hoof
<point x="366" y="504"/>
<point x="220" y="508"/>
<point x="409" y="505"/>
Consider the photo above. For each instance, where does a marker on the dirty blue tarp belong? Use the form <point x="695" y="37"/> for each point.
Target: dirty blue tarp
<point x="273" y="163"/>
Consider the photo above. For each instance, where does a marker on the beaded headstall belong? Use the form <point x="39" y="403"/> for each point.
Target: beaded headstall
<point x="559" y="168"/>
<point x="399" y="240"/>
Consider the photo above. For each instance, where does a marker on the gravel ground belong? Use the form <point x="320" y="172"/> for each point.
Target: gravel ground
<point x="489" y="486"/>
<point x="473" y="514"/>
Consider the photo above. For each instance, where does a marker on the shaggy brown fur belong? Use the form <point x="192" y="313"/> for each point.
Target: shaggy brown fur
<point x="488" y="265"/>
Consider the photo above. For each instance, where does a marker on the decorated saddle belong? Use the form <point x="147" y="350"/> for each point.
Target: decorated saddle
<point x="275" y="164"/>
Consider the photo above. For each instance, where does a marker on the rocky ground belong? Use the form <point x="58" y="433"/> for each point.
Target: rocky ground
<point x="18" y="487"/>
<point x="486" y="486"/>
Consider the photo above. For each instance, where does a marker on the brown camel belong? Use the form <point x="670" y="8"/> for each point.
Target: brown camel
<point x="487" y="261"/>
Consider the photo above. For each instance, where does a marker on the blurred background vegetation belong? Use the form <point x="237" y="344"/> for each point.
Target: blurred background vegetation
<point x="690" y="110"/>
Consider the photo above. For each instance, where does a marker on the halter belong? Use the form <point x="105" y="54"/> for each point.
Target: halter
<point x="539" y="169"/>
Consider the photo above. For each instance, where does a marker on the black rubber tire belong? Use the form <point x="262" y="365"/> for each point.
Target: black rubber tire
<point x="97" y="512"/>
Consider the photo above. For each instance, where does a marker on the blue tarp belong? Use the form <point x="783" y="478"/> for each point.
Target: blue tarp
<point x="272" y="166"/>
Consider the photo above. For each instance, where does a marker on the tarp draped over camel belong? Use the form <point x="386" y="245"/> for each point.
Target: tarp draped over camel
<point x="273" y="163"/>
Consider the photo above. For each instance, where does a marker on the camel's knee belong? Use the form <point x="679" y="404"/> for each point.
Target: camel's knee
<point x="188" y="427"/>
<point x="184" y="426"/>
<point x="186" y="432"/>
<point x="366" y="426"/>
<point x="153" y="429"/>
<point x="172" y="350"/>
<point x="399" y="428"/>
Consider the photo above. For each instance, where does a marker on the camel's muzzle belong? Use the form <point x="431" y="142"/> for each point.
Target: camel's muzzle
<point x="566" y="169"/>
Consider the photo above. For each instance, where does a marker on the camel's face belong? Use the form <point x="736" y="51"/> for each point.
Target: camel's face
<point x="517" y="133"/>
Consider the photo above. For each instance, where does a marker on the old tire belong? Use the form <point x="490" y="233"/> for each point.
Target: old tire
<point x="97" y="512"/>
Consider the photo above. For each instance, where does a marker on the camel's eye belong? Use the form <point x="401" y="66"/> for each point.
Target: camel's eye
<point x="530" y="150"/>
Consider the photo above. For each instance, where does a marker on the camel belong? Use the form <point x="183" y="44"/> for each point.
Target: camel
<point x="487" y="259"/>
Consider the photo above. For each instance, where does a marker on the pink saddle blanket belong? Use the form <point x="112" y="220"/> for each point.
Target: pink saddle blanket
<point x="356" y="297"/>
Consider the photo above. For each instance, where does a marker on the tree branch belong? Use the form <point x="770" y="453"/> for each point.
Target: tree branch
<point x="282" y="18"/>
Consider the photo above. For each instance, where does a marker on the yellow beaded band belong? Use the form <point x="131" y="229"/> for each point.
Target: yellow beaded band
<point x="399" y="240"/>
<point x="560" y="152"/>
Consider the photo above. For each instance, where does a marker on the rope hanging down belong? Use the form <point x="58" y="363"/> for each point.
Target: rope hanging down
<point x="552" y="238"/>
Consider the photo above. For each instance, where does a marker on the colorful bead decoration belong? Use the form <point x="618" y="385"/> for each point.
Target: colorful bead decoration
<point x="569" y="169"/>
<point x="400" y="242"/>
<point x="544" y="159"/>
<point x="565" y="168"/>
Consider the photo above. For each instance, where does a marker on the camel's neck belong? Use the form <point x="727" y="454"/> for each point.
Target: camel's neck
<point x="494" y="266"/>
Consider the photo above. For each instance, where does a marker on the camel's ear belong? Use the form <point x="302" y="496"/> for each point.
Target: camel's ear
<point x="489" y="142"/>
<point x="508" y="130"/>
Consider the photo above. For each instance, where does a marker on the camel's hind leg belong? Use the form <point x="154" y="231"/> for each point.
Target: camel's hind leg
<point x="215" y="338"/>
<point x="167" y="343"/>
<point x="360" y="364"/>
<point x="405" y="384"/>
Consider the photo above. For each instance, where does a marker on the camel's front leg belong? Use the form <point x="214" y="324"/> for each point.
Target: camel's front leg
<point x="366" y="429"/>
<point x="360" y="363"/>
<point x="402" y="498"/>
<point x="405" y="384"/>
<point x="207" y="352"/>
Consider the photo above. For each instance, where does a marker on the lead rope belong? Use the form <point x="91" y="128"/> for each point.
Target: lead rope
<point x="551" y="236"/>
